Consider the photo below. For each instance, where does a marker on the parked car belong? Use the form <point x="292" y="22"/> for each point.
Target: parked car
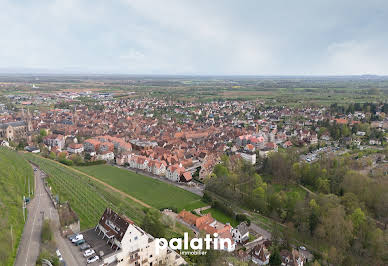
<point x="84" y="246"/>
<point x="92" y="259"/>
<point x="71" y="237"/>
<point x="77" y="237"/>
<point x="59" y="255"/>
<point x="89" y="252"/>
<point x="79" y="242"/>
<point x="303" y="248"/>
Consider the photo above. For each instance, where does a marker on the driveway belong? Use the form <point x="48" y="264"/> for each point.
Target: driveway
<point x="41" y="208"/>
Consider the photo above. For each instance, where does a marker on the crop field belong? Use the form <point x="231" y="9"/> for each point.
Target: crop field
<point x="15" y="174"/>
<point x="87" y="197"/>
<point x="151" y="191"/>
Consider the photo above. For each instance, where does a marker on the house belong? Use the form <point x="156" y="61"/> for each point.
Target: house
<point x="240" y="233"/>
<point x="54" y="140"/>
<point x="75" y="148"/>
<point x="131" y="244"/>
<point x="294" y="258"/>
<point x="374" y="142"/>
<point x="248" y="154"/>
<point x="32" y="149"/>
<point x="260" y="255"/>
<point x="325" y="136"/>
<point x="287" y="144"/>
<point x="174" y="172"/>
<point x="91" y="145"/>
<point x="106" y="156"/>
<point x="185" y="177"/>
<point x="4" y="143"/>
<point x="211" y="226"/>
<point x="159" y="168"/>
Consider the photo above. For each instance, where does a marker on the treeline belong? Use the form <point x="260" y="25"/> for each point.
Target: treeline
<point x="74" y="159"/>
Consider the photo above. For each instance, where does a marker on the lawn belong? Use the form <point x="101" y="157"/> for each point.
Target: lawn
<point x="14" y="175"/>
<point x="221" y="217"/>
<point x="151" y="191"/>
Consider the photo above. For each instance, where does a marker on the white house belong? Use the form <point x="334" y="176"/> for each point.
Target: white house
<point x="75" y="148"/>
<point x="132" y="245"/>
<point x="159" y="168"/>
<point x="174" y="172"/>
<point x="106" y="156"/>
<point x="240" y="233"/>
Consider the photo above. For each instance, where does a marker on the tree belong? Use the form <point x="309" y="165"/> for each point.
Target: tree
<point x="152" y="223"/>
<point x="52" y="156"/>
<point x="350" y="202"/>
<point x="335" y="228"/>
<point x="87" y="157"/>
<point x="275" y="258"/>
<point x="43" y="133"/>
<point x="358" y="219"/>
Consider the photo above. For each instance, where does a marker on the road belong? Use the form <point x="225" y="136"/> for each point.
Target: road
<point x="41" y="208"/>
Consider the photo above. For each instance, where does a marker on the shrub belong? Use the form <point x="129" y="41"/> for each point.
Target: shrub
<point x="206" y="197"/>
<point x="46" y="234"/>
<point x="242" y="217"/>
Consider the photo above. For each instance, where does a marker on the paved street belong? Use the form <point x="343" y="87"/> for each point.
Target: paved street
<point x="41" y="208"/>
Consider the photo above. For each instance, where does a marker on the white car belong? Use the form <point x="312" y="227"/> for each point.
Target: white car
<point x="59" y="255"/>
<point x="89" y="252"/>
<point x="77" y="238"/>
<point x="92" y="259"/>
<point x="303" y="248"/>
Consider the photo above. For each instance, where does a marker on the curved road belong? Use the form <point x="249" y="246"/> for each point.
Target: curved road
<point x="41" y="208"/>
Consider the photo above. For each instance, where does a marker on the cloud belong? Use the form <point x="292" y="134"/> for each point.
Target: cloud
<point x="356" y="57"/>
<point x="195" y="37"/>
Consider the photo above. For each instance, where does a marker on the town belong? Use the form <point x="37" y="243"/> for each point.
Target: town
<point x="197" y="152"/>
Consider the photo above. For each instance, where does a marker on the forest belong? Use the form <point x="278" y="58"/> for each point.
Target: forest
<point x="342" y="211"/>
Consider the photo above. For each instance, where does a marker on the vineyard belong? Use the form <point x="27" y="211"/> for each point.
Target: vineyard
<point x="87" y="197"/>
<point x="15" y="176"/>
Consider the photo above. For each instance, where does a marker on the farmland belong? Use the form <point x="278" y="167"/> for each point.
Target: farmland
<point x="87" y="197"/>
<point x="14" y="175"/>
<point x="153" y="192"/>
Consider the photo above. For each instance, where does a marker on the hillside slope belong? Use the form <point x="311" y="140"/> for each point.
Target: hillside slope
<point x="14" y="175"/>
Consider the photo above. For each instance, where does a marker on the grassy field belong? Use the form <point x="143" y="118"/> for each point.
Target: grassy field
<point x="14" y="175"/>
<point x="87" y="197"/>
<point x="153" y="192"/>
<point x="221" y="216"/>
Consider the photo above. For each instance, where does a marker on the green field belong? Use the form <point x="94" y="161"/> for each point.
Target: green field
<point x="14" y="175"/>
<point x="151" y="191"/>
<point x="87" y="197"/>
<point x="221" y="216"/>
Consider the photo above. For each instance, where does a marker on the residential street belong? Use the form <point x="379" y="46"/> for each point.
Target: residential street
<point x="41" y="208"/>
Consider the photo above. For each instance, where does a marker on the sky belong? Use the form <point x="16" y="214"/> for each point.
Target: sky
<point x="195" y="37"/>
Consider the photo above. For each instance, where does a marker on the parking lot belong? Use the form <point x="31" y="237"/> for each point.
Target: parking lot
<point x="99" y="245"/>
<point x="78" y="254"/>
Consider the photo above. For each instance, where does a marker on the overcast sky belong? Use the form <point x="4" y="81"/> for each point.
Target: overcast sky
<point x="252" y="37"/>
